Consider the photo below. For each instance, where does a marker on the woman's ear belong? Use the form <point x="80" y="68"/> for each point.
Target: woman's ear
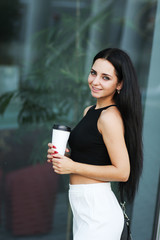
<point x="119" y="86"/>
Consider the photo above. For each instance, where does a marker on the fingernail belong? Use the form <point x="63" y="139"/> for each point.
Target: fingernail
<point x="55" y="152"/>
<point x="54" y="147"/>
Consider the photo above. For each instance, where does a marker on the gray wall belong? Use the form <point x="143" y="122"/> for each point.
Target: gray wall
<point x="144" y="206"/>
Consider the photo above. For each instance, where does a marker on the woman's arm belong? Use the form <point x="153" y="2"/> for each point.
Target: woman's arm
<point x="111" y="127"/>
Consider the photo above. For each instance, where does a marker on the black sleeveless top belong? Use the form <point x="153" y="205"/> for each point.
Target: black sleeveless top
<point x="86" y="142"/>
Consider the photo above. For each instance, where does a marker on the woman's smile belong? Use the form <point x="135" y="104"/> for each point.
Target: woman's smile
<point x="94" y="89"/>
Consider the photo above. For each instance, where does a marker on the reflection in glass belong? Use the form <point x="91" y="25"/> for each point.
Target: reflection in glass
<point x="46" y="50"/>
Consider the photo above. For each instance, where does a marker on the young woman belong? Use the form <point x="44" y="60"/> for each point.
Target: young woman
<point x="106" y="146"/>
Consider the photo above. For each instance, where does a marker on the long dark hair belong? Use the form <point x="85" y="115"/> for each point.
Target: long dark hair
<point x="129" y="105"/>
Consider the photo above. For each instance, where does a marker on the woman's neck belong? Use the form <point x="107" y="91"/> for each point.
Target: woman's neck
<point x="101" y="104"/>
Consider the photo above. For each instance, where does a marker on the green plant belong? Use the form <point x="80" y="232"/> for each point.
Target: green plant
<point x="54" y="90"/>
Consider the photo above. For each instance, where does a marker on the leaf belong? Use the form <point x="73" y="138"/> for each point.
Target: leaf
<point x="32" y="112"/>
<point x="5" y="100"/>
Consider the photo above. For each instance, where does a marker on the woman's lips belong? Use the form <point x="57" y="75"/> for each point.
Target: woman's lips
<point x="94" y="89"/>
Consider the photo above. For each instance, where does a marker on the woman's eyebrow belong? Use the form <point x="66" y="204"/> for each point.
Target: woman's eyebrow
<point x="104" y="74"/>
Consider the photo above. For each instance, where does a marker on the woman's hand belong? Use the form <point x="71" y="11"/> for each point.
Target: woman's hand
<point x="51" y="151"/>
<point x="61" y="164"/>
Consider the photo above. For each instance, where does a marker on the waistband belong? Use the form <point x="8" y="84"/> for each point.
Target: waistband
<point x="90" y="186"/>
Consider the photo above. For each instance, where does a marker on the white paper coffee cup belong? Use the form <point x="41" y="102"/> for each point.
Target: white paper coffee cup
<point x="60" y="135"/>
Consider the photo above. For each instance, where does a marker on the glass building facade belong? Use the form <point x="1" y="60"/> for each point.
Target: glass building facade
<point x="46" y="51"/>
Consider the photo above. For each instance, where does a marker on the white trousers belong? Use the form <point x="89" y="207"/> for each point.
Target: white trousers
<point x="97" y="214"/>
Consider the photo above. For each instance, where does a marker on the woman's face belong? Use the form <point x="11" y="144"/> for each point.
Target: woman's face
<point x="102" y="79"/>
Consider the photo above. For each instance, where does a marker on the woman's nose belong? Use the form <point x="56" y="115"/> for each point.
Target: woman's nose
<point x="96" y="80"/>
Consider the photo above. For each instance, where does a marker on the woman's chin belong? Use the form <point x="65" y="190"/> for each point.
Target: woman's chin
<point x="95" y="95"/>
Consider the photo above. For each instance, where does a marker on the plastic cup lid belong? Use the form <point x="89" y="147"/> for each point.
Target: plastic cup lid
<point x="61" y="127"/>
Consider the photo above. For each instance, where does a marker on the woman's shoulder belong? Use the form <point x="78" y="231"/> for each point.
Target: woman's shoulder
<point x="111" y="117"/>
<point x="86" y="110"/>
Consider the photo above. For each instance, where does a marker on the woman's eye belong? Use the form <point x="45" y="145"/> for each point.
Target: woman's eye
<point x="106" y="78"/>
<point x="93" y="73"/>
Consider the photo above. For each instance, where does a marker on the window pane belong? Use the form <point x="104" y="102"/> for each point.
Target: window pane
<point x="46" y="51"/>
